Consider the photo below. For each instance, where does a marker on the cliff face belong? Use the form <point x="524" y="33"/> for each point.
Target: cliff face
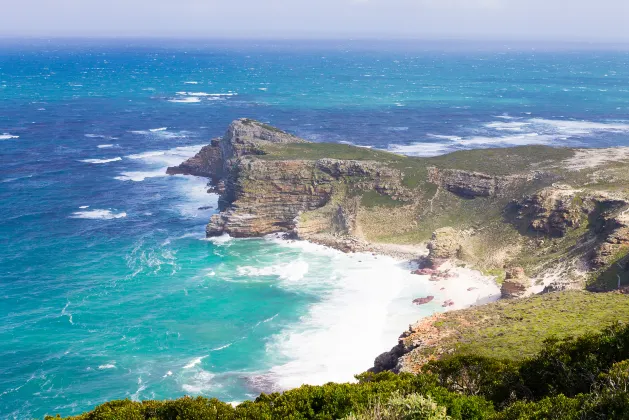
<point x="529" y="207"/>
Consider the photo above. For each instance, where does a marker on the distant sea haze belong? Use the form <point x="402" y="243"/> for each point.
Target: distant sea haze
<point x="109" y="288"/>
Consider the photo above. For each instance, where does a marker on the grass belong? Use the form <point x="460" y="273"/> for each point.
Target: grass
<point x="503" y="161"/>
<point x="314" y="151"/>
<point x="516" y="329"/>
<point x="373" y="198"/>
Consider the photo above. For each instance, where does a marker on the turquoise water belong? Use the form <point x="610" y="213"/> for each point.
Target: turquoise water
<point x="126" y="299"/>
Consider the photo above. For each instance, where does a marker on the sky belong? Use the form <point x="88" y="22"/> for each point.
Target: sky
<point x="557" y="20"/>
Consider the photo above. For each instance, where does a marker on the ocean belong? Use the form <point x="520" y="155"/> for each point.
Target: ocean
<point x="108" y="288"/>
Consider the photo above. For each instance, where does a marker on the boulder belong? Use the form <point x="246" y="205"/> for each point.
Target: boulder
<point x="516" y="283"/>
<point x="443" y="246"/>
<point x="423" y="301"/>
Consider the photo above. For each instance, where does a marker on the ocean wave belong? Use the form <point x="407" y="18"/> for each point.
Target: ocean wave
<point x="219" y="240"/>
<point x="100" y="136"/>
<point x="139" y="176"/>
<point x="107" y="366"/>
<point x="105" y="146"/>
<point x="191" y="83"/>
<point x="8" y="136"/>
<point x="579" y="127"/>
<point x="507" y="126"/>
<point x="98" y="214"/>
<point x="159" y="132"/>
<point x="189" y="100"/>
<point x="353" y="305"/>
<point x="421" y="149"/>
<point x="116" y="159"/>
<point x="292" y="272"/>
<point x="222" y="347"/>
<point x="200" y="383"/>
<point x="194" y="362"/>
<point x="531" y="131"/>
<point x="155" y="130"/>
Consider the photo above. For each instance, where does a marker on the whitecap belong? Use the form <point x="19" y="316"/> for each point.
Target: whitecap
<point x="8" y="136"/>
<point x="507" y="126"/>
<point x="291" y="272"/>
<point x="194" y="362"/>
<point x="201" y="382"/>
<point x="105" y="146"/>
<point x="219" y="240"/>
<point x="191" y="83"/>
<point x="444" y="137"/>
<point x="99" y="136"/>
<point x="154" y="130"/>
<point x="421" y="149"/>
<point x="188" y="100"/>
<point x="98" y="214"/>
<point x="100" y="161"/>
<point x="397" y="128"/>
<point x="84" y="207"/>
<point x="64" y="312"/>
<point x="222" y="347"/>
<point x="107" y="366"/>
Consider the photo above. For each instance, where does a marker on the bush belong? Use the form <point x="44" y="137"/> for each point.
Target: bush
<point x="403" y="407"/>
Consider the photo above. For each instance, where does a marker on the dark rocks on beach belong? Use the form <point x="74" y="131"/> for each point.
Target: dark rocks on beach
<point x="423" y="301"/>
<point x="447" y="303"/>
<point x="424" y="272"/>
<point x="206" y="208"/>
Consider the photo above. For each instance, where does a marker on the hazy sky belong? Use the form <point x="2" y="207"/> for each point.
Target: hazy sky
<point x="578" y="20"/>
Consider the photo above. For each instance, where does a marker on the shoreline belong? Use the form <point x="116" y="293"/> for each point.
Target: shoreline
<point x="463" y="286"/>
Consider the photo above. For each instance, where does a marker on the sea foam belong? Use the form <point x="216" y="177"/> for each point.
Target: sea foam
<point x="99" y="161"/>
<point x="7" y="136"/>
<point x="98" y="214"/>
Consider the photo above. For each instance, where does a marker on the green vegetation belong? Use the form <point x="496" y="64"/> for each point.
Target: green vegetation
<point x="503" y="161"/>
<point x="577" y="378"/>
<point x="314" y="151"/>
<point x="373" y="198"/>
<point x="513" y="330"/>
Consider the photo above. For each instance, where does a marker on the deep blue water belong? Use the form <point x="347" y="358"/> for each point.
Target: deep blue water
<point x="124" y="298"/>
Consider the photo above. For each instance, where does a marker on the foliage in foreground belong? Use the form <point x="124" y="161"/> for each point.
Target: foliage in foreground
<point x="584" y="378"/>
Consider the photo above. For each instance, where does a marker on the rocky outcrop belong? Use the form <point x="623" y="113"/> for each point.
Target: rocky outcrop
<point x="207" y="163"/>
<point x="553" y="210"/>
<point x="516" y="283"/>
<point x="470" y="184"/>
<point x="443" y="246"/>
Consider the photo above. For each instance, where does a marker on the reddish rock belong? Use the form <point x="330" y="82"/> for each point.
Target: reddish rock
<point x="423" y="301"/>
<point x="447" y="303"/>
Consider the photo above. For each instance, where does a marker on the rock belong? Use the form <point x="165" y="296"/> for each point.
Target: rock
<point x="469" y="289"/>
<point x="443" y="246"/>
<point x="469" y="184"/>
<point x="423" y="301"/>
<point x="207" y="163"/>
<point x="516" y="283"/>
<point x="448" y="303"/>
<point x="424" y="272"/>
<point x="553" y="210"/>
<point x="390" y="360"/>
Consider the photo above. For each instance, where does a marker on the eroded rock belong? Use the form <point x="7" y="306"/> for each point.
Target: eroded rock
<point x="516" y="283"/>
